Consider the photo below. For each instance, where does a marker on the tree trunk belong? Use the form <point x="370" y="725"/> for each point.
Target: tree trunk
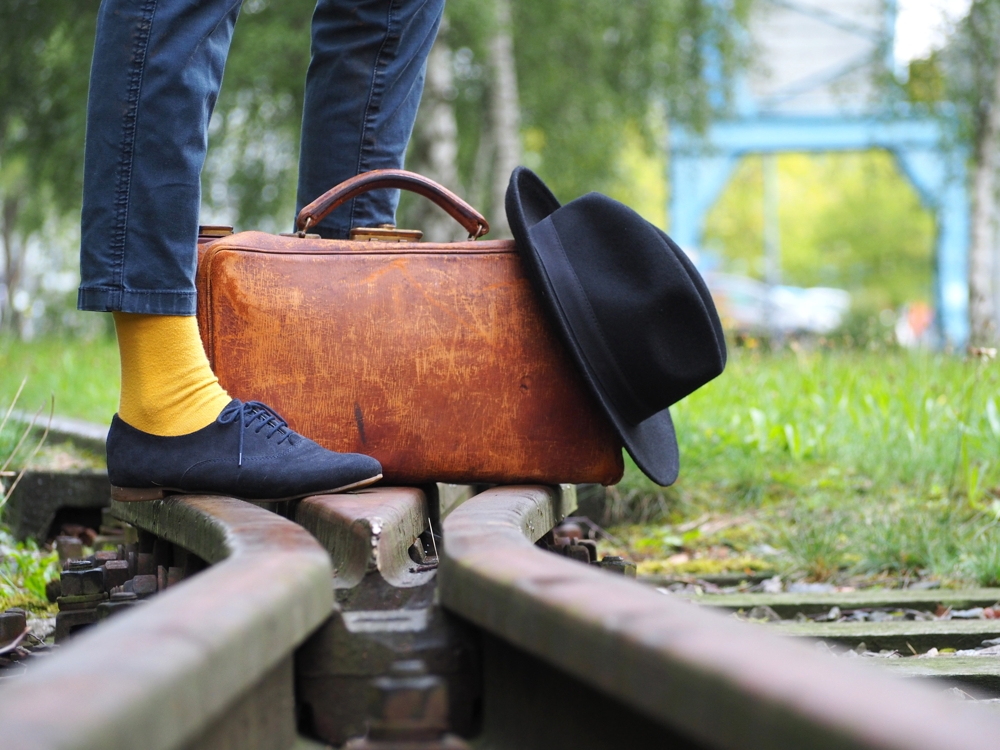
<point x="435" y="145"/>
<point x="12" y="263"/>
<point x="505" y="116"/>
<point x="982" y="260"/>
<point x="481" y="183"/>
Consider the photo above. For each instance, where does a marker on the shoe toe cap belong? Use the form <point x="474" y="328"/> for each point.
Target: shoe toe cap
<point x="331" y="470"/>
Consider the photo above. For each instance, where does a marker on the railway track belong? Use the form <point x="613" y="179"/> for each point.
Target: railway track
<point x="345" y="620"/>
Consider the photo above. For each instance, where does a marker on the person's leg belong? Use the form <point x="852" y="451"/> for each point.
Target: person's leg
<point x="168" y="387"/>
<point x="362" y="92"/>
<point x="155" y="78"/>
<point x="156" y="74"/>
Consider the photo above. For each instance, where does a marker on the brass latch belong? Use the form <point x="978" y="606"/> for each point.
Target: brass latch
<point x="214" y="231"/>
<point x="385" y="233"/>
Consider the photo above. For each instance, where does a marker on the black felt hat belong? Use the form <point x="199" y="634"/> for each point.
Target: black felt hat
<point x="631" y="306"/>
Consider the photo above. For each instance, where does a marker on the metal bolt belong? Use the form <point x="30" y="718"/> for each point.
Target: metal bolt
<point x="82" y="581"/>
<point x="115" y="573"/>
<point x="104" y="555"/>
<point x="69" y="547"/>
<point x="145" y="565"/>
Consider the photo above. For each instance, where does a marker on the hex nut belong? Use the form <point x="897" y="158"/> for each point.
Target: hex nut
<point x="82" y="582"/>
<point x="115" y="573"/>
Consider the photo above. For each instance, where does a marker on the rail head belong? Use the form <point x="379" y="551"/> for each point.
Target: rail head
<point x="727" y="683"/>
<point x="368" y="531"/>
<point x="158" y="675"/>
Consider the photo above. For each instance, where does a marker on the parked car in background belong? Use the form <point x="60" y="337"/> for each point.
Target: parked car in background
<point x="750" y="306"/>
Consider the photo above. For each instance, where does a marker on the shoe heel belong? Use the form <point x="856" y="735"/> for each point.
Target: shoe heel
<point x="136" y="494"/>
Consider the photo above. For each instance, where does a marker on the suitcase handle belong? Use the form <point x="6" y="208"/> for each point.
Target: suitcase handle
<point x="311" y="215"/>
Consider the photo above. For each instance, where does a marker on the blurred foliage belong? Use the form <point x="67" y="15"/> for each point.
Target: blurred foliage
<point x="588" y="69"/>
<point x="25" y="568"/>
<point x="45" y="51"/>
<point x="956" y="82"/>
<point x="639" y="179"/>
<point x="588" y="72"/>
<point x="967" y="68"/>
<point x="252" y="166"/>
<point x="926" y="83"/>
<point x="851" y="221"/>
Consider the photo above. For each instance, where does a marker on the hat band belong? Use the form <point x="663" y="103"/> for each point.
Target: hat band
<point x="579" y="315"/>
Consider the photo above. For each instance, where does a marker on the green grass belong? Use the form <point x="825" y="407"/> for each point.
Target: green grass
<point x="833" y="465"/>
<point x="83" y="376"/>
<point x="848" y="463"/>
<point x="24" y="570"/>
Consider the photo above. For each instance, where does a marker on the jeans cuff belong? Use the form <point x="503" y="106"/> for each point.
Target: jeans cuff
<point x="149" y="302"/>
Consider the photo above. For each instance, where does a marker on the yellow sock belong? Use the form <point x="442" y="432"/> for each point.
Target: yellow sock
<point x="168" y="387"/>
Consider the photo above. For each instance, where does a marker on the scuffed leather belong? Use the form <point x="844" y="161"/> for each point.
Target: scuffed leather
<point x="435" y="359"/>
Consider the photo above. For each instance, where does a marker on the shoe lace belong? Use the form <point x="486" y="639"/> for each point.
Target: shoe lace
<point x="254" y="412"/>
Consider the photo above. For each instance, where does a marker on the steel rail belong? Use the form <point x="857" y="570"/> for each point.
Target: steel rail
<point x="714" y="681"/>
<point x="205" y="664"/>
<point x="366" y="531"/>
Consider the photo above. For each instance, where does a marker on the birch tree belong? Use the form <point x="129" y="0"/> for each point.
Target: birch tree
<point x="505" y="113"/>
<point x="434" y="148"/>
<point x="983" y="251"/>
<point x="970" y="65"/>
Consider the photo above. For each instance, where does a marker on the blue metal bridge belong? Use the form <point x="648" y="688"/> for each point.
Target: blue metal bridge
<point x="818" y="94"/>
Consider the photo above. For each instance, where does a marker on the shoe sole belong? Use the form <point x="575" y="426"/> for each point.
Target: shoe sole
<point x="143" y="494"/>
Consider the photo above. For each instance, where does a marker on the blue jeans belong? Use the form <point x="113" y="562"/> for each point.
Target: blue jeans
<point x="155" y="78"/>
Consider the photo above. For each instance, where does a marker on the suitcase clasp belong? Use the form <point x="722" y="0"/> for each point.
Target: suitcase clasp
<point x="385" y="233"/>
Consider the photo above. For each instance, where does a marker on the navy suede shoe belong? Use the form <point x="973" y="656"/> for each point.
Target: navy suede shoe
<point x="248" y="452"/>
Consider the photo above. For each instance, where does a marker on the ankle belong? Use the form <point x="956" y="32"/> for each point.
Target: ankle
<point x="168" y="387"/>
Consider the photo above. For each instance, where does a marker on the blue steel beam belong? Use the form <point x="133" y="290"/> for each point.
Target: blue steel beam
<point x="700" y="165"/>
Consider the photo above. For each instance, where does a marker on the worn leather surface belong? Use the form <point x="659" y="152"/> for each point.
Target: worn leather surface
<point x="435" y="359"/>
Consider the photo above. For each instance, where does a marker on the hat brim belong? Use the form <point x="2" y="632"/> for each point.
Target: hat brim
<point x="652" y="443"/>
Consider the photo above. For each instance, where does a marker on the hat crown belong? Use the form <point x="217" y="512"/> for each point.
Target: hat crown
<point x="651" y="305"/>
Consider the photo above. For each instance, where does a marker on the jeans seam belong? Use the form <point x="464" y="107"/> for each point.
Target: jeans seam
<point x="374" y="94"/>
<point x="124" y="177"/>
<point x="120" y="290"/>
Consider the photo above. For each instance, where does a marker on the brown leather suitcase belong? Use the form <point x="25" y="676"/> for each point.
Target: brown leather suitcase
<point x="436" y="359"/>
